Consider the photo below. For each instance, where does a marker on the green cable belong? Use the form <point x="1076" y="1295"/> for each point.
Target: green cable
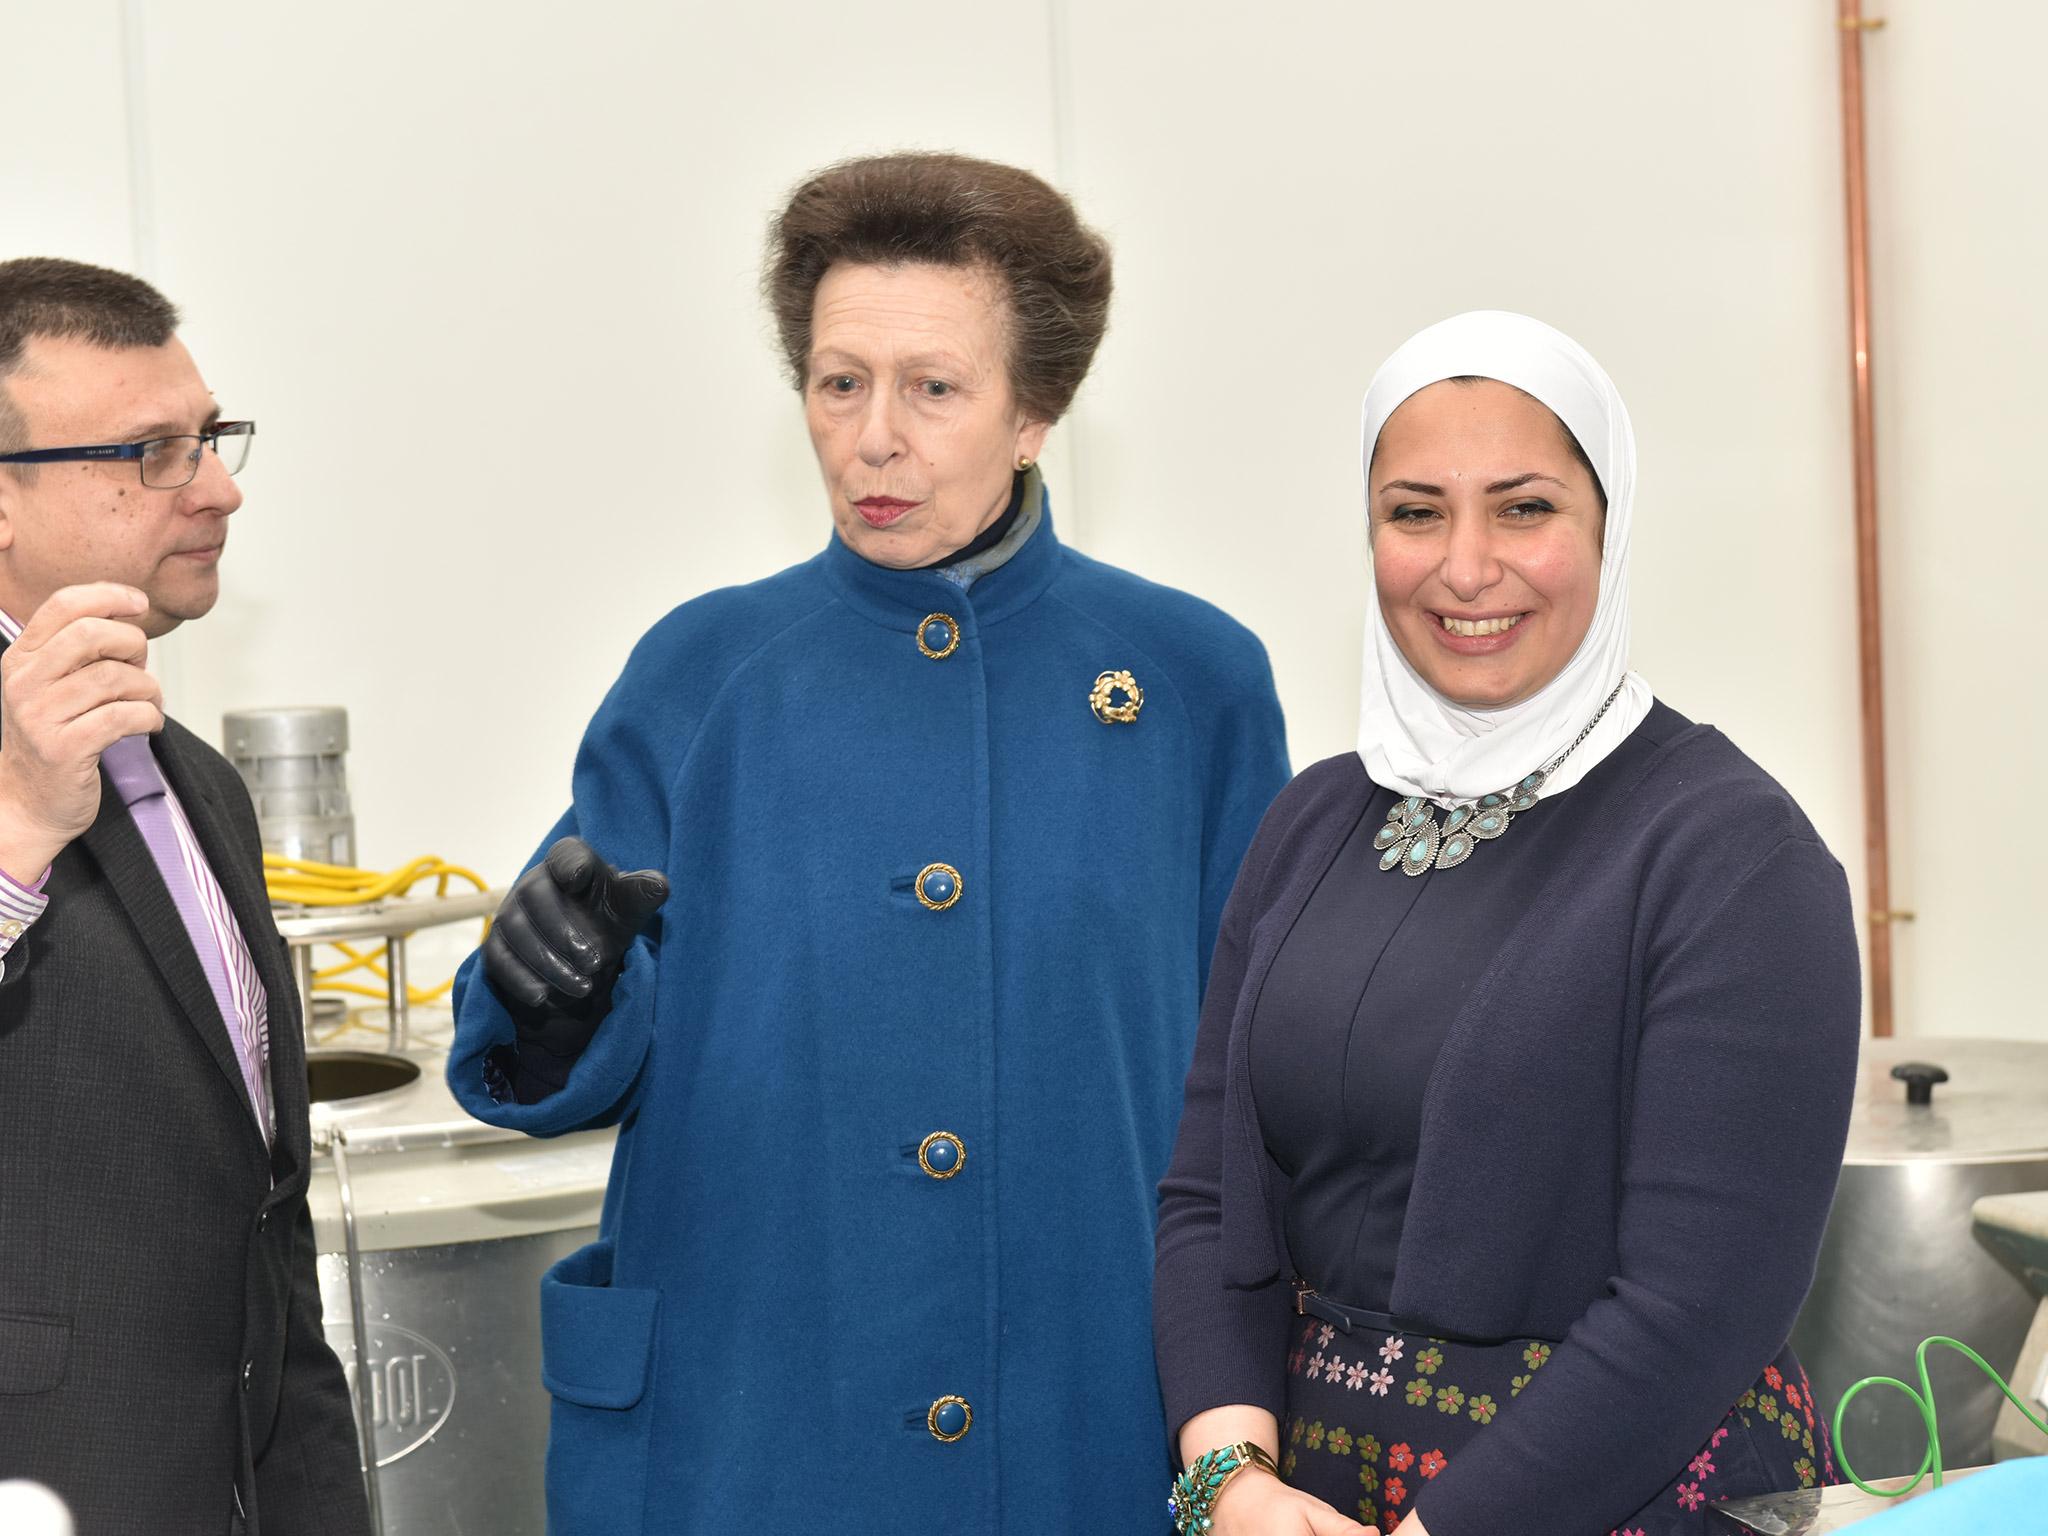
<point x="1924" y="1401"/>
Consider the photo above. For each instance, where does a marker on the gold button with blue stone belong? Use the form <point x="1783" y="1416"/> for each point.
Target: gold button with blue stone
<point x="942" y="1154"/>
<point x="938" y="886"/>
<point x="949" y="1419"/>
<point x="939" y="635"/>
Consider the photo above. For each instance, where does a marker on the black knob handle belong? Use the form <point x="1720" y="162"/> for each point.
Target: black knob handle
<point x="1919" y="1078"/>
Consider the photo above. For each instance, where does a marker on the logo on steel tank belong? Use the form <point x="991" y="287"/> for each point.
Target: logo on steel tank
<point x="409" y="1382"/>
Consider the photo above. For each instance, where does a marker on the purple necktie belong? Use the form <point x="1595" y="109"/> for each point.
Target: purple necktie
<point x="132" y="766"/>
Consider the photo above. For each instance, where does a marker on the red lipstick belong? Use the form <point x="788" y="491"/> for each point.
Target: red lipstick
<point x="881" y="511"/>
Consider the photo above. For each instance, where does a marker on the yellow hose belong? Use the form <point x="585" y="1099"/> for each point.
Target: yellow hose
<point x="305" y="883"/>
<point x="373" y="962"/>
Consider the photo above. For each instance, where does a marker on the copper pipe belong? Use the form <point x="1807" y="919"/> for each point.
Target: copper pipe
<point x="1876" y="839"/>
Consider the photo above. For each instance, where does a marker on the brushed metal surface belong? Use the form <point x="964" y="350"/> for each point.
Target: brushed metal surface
<point x="452" y="1377"/>
<point x="1899" y="1263"/>
<point x="1993" y="1106"/>
<point x="451" y="1224"/>
<point x="1816" y="1511"/>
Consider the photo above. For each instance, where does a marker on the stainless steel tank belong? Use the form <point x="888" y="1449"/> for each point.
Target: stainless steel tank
<point x="453" y="1222"/>
<point x="1899" y="1262"/>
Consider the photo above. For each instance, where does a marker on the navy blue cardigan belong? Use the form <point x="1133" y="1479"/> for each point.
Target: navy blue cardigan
<point x="1630" y="1140"/>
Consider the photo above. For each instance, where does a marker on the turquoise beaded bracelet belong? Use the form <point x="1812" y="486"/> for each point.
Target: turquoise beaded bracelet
<point x="1196" y="1490"/>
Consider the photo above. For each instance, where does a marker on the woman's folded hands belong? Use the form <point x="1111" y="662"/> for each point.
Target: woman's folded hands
<point x="1256" y="1503"/>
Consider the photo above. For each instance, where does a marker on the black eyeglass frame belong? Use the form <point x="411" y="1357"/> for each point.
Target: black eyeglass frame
<point x="107" y="453"/>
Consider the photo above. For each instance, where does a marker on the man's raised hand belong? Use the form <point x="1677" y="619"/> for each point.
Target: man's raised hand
<point x="70" y="687"/>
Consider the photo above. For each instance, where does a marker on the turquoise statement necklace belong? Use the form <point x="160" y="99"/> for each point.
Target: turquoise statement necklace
<point x="1413" y="841"/>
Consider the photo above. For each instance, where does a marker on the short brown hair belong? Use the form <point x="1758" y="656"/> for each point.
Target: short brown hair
<point x="952" y="211"/>
<point x="57" y="300"/>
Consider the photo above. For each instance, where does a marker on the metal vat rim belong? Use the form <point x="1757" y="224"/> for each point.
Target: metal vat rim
<point x="1944" y="1159"/>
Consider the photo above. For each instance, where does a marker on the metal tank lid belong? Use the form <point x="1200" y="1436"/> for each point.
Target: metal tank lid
<point x="392" y="1102"/>
<point x="1991" y="1107"/>
<point x="423" y="1174"/>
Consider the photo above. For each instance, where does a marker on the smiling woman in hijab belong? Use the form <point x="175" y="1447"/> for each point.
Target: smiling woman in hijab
<point x="1526" y="1060"/>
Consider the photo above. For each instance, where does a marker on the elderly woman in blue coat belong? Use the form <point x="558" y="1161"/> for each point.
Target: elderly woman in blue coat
<point x="928" y="839"/>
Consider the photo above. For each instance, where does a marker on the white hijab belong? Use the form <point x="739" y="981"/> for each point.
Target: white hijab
<point x="1413" y="739"/>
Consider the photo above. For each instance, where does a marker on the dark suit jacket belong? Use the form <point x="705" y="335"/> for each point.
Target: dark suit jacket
<point x="161" y="1351"/>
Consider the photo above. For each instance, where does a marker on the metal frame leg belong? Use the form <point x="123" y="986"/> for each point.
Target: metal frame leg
<point x="365" y="1423"/>
<point x="397" y="992"/>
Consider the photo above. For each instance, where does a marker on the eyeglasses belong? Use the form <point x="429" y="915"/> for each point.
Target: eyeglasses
<point x="165" y="462"/>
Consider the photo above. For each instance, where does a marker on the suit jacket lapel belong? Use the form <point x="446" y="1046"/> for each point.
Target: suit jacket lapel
<point x="115" y="843"/>
<point x="192" y="773"/>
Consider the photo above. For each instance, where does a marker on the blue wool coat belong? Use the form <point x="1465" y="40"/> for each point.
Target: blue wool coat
<point x="783" y="1292"/>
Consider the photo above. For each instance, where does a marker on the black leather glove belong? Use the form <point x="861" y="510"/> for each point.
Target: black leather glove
<point x="560" y="940"/>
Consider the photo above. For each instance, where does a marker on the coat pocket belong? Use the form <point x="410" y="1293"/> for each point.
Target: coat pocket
<point x="597" y="1345"/>
<point x="34" y="1348"/>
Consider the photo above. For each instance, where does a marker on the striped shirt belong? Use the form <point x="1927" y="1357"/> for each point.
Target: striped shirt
<point x="209" y="921"/>
<point x="20" y="905"/>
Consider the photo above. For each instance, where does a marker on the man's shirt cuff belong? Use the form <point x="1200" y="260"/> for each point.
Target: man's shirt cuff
<point x="20" y="906"/>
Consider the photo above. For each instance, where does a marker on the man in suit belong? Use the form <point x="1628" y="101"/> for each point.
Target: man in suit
<point x="162" y="1364"/>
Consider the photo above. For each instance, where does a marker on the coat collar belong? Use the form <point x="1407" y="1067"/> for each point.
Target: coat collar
<point x="901" y="600"/>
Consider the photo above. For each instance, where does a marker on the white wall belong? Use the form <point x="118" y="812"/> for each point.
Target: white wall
<point x="489" y="288"/>
<point x="1959" y="230"/>
<point x="64" y="181"/>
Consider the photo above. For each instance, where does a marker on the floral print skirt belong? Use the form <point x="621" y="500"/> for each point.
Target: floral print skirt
<point x="1373" y="1416"/>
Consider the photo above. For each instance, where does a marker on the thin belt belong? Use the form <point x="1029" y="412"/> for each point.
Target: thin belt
<point x="1348" y="1319"/>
